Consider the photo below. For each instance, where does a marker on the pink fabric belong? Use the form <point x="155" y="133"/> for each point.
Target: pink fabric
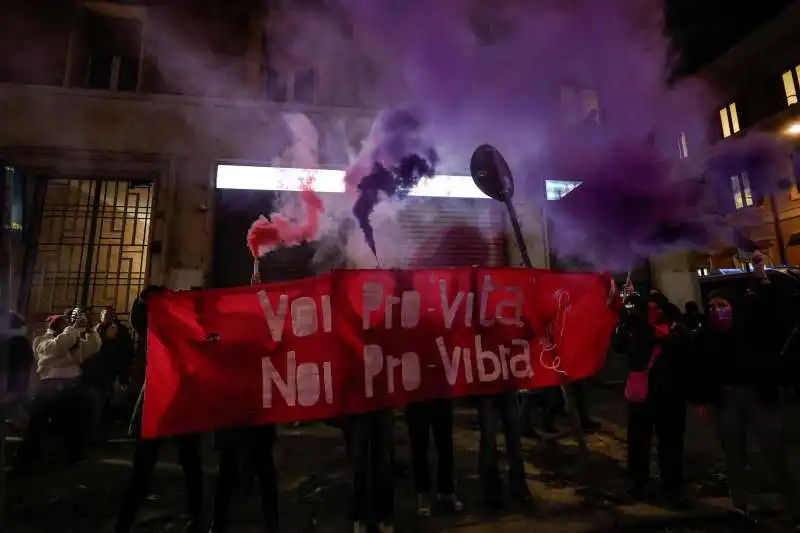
<point x="636" y="387"/>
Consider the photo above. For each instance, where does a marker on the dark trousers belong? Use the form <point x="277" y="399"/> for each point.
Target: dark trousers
<point x="63" y="406"/>
<point x="423" y="419"/>
<point x="253" y="447"/>
<point x="741" y="408"/>
<point x="144" y="462"/>
<point x="491" y="411"/>
<point x="371" y="445"/>
<point x="556" y="404"/>
<point x="19" y="364"/>
<point x="666" y="415"/>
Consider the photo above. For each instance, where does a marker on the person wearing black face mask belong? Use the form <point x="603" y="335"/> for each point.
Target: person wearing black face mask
<point x="738" y="369"/>
<point x="657" y="348"/>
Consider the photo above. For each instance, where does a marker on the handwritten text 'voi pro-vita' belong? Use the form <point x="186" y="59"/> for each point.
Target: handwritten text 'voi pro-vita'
<point x="306" y="384"/>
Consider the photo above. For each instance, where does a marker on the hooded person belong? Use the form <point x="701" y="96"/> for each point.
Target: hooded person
<point x="68" y="342"/>
<point x="739" y="366"/>
<point x="657" y="347"/>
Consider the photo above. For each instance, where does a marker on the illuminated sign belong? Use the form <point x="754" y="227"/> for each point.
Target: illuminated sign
<point x="556" y="190"/>
<point x="258" y="178"/>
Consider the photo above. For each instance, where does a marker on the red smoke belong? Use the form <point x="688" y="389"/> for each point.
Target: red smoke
<point x="265" y="235"/>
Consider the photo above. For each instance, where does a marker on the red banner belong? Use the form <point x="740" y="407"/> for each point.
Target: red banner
<point x="357" y="340"/>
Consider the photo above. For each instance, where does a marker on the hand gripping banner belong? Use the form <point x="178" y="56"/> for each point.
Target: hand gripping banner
<point x="353" y="341"/>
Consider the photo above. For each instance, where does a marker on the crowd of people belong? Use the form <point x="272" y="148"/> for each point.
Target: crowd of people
<point x="726" y="361"/>
<point x="732" y="364"/>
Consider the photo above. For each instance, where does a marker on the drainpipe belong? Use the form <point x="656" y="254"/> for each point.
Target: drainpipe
<point x="776" y="225"/>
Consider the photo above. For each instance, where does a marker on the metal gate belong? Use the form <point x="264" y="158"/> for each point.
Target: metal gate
<point x="92" y="248"/>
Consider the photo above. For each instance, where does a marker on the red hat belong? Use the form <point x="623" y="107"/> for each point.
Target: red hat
<point x="53" y="319"/>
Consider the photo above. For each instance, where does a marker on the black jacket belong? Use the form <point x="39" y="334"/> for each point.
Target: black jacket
<point x="113" y="361"/>
<point x="751" y="351"/>
<point x="668" y="374"/>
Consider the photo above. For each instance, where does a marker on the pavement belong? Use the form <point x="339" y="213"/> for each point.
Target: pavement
<point x="571" y="493"/>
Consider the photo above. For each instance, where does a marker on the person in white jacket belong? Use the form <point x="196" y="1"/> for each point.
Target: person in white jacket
<point x="61" y="351"/>
<point x="61" y="401"/>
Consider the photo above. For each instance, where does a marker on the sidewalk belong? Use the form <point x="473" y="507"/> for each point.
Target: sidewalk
<point x="570" y="494"/>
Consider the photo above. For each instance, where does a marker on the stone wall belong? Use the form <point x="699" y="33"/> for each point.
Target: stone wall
<point x="174" y="141"/>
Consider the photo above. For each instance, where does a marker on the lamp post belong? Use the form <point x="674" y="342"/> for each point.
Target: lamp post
<point x="493" y="177"/>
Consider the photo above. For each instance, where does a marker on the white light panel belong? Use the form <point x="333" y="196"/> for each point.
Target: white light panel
<point x="259" y="178"/>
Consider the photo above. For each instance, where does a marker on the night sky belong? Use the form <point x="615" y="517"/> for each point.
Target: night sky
<point x="704" y="29"/>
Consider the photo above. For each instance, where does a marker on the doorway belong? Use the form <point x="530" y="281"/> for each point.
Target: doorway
<point x="92" y="246"/>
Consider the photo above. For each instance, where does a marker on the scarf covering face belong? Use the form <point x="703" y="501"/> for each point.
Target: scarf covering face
<point x="721" y="317"/>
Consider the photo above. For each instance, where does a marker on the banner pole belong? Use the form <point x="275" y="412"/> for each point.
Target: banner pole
<point x="566" y="390"/>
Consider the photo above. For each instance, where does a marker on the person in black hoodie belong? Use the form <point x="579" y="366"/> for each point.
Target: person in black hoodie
<point x="147" y="450"/>
<point x="657" y="344"/>
<point x="739" y="371"/>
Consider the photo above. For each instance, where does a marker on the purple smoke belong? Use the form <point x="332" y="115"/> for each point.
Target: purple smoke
<point x="399" y="161"/>
<point x="493" y="72"/>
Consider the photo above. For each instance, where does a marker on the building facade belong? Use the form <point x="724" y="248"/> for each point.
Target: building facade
<point x="758" y="82"/>
<point x="123" y="115"/>
<point x="119" y="116"/>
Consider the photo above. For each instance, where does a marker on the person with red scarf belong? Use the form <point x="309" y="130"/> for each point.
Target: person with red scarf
<point x="657" y="346"/>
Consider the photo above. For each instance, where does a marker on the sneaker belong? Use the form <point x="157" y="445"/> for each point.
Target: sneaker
<point x="451" y="502"/>
<point x="423" y="505"/>
<point x="360" y="527"/>
<point x="385" y="527"/>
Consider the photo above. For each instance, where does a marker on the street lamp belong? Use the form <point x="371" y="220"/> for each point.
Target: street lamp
<point x="793" y="130"/>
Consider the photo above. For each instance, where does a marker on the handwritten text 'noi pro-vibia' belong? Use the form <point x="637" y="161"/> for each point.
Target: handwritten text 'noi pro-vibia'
<point x="309" y="383"/>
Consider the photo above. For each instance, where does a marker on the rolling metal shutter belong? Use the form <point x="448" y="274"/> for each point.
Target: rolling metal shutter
<point x="438" y="232"/>
<point x="449" y="232"/>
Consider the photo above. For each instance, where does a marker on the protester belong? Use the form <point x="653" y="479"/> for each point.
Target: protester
<point x="556" y="405"/>
<point x="424" y="418"/>
<point x="250" y="447"/>
<point x="147" y="450"/>
<point x="528" y="401"/>
<point x="254" y="445"/>
<point x="739" y="370"/>
<point x="371" y="444"/>
<point x="493" y="409"/>
<point x="693" y="319"/>
<point x="657" y="349"/>
<point x="68" y="342"/>
<point x="17" y="352"/>
<point x="100" y="373"/>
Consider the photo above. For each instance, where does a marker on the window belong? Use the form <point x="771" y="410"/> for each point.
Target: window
<point x="729" y="117"/>
<point x="299" y="86"/>
<point x="742" y="194"/>
<point x="683" y="148"/>
<point x="580" y="105"/>
<point x="106" y="50"/>
<point x="791" y="82"/>
<point x="702" y="272"/>
<point x="556" y="189"/>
